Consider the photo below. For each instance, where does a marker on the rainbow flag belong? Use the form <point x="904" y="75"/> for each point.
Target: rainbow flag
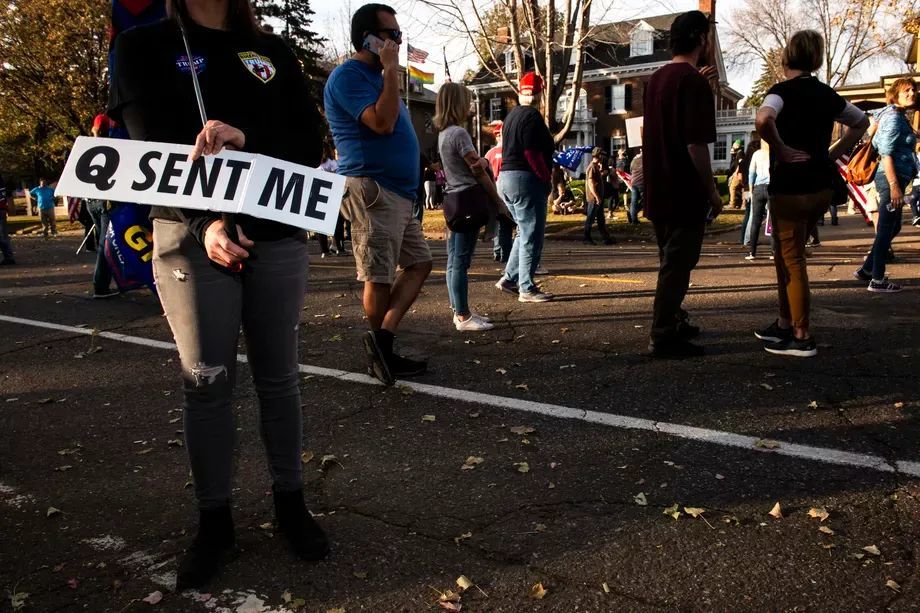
<point x="420" y="76"/>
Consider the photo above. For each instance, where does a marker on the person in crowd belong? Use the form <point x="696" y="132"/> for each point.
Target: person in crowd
<point x="100" y="212"/>
<point x="735" y="180"/>
<point x="915" y="192"/>
<point x="378" y="155"/>
<point x="637" y="190"/>
<point x="428" y="180"/>
<point x="468" y="182"/>
<point x="196" y="263"/>
<point x="503" y="226"/>
<point x="77" y="211"/>
<point x="595" y="193"/>
<point x="6" y="247"/>
<point x="524" y="185"/>
<point x="44" y="196"/>
<point x="418" y="206"/>
<point x="564" y="200"/>
<point x="680" y="191"/>
<point x="895" y="141"/>
<point x="440" y="182"/>
<point x="797" y="119"/>
<point x="752" y="146"/>
<point x="759" y="182"/>
<point x="330" y="163"/>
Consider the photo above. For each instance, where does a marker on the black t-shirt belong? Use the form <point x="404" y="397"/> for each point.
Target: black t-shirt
<point x="679" y="111"/>
<point x="805" y="122"/>
<point x="524" y="130"/>
<point x="737" y="161"/>
<point x="251" y="82"/>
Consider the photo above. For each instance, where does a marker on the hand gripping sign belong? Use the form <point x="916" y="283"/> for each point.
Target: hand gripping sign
<point x="229" y="182"/>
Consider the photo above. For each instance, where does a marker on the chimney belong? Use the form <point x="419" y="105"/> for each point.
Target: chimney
<point x="709" y="7"/>
<point x="503" y="35"/>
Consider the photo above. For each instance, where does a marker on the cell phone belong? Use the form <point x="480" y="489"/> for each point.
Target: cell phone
<point x="373" y="44"/>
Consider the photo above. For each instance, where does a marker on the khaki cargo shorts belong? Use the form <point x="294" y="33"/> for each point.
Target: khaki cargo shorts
<point x="385" y="236"/>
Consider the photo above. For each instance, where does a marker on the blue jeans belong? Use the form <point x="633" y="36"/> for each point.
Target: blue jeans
<point x="637" y="196"/>
<point x="526" y="197"/>
<point x="746" y="224"/>
<point x="460" y="248"/>
<point x="760" y="199"/>
<point x="889" y="225"/>
<point x="595" y="212"/>
<point x="501" y="244"/>
<point x="102" y="274"/>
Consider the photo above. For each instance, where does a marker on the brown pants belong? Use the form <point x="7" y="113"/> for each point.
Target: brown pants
<point x="793" y="216"/>
<point x="49" y="223"/>
<point x="735" y="191"/>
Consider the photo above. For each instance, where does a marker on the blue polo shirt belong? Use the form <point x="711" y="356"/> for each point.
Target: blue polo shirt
<point x="45" y="197"/>
<point x="393" y="159"/>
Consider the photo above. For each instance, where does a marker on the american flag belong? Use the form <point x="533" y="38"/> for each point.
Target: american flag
<point x="417" y="55"/>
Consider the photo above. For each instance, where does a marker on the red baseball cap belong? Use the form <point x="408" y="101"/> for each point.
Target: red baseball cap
<point x="531" y="84"/>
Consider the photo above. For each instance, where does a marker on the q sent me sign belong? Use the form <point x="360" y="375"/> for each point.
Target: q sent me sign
<point x="230" y="182"/>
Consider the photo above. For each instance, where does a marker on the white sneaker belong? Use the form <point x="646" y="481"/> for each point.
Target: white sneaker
<point x="488" y="320"/>
<point x="541" y="270"/>
<point x="750" y="257"/>
<point x="472" y="324"/>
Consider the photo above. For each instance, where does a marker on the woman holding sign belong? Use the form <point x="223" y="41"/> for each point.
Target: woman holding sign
<point x="257" y="101"/>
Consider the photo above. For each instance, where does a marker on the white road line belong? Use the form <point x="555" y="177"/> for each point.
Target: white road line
<point x="716" y="437"/>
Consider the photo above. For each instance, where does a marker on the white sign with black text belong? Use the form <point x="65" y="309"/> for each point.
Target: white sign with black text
<point x="229" y="182"/>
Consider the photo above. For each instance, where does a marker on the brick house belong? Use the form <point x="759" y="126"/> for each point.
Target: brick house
<point x="618" y="63"/>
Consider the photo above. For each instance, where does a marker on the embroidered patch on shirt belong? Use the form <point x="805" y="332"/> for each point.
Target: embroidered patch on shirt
<point x="182" y="64"/>
<point x="259" y="65"/>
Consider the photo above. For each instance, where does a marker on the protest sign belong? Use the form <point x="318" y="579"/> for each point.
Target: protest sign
<point x="634" y="131"/>
<point x="229" y="182"/>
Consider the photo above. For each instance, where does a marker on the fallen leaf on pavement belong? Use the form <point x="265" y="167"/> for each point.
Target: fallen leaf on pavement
<point x="826" y="530"/>
<point x="52" y="511"/>
<point x="145" y="451"/>
<point x="18" y="600"/>
<point x="673" y="511"/>
<point x="63" y="468"/>
<point x="73" y="583"/>
<point x="45" y="401"/>
<point x="873" y="550"/>
<point x="538" y="591"/>
<point x="306" y="457"/>
<point x="405" y="390"/>
<point x="522" y="430"/>
<point x="640" y="499"/>
<point x="766" y="386"/>
<point x="464" y="583"/>
<point x="359" y="574"/>
<point x="462" y="537"/>
<point x="154" y="597"/>
<point x="899" y="405"/>
<point x="501" y="371"/>
<point x="174" y="442"/>
<point x="819" y="513"/>
<point x="472" y="462"/>
<point x="539" y="527"/>
<point x="694" y="511"/>
<point x="451" y="606"/>
<point x="474" y="415"/>
<point x="776" y="511"/>
<point x="606" y="587"/>
<point x="813" y="404"/>
<point x="891" y="584"/>
<point x="428" y="418"/>
<point x="328" y="459"/>
<point x="522" y="386"/>
<point x="765" y="443"/>
<point x="522" y="467"/>
<point x="286" y="596"/>
<point x="449" y="596"/>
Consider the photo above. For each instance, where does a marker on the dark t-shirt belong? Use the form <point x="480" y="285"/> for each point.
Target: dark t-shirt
<point x="598" y="182"/>
<point x="524" y="130"/>
<point x="806" y="123"/>
<point x="737" y="161"/>
<point x="253" y="83"/>
<point x="679" y="111"/>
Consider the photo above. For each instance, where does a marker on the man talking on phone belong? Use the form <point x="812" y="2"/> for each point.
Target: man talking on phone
<point x="379" y="153"/>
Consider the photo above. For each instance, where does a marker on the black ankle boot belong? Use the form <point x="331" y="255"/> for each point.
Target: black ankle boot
<point x="209" y="550"/>
<point x="306" y="537"/>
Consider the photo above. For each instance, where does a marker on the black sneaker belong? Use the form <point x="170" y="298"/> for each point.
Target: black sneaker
<point x="376" y="359"/>
<point x="796" y="347"/>
<point x="773" y="333"/>
<point x="406" y="367"/>
<point x="212" y="548"/>
<point x="862" y="275"/>
<point x="305" y="536"/>
<point x="884" y="287"/>
<point x="685" y="329"/>
<point x="915" y="222"/>
<point x="109" y="293"/>
<point x="588" y="241"/>
<point x="610" y="241"/>
<point x="675" y="348"/>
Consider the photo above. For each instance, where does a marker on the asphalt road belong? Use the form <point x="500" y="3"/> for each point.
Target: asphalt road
<point x="579" y="504"/>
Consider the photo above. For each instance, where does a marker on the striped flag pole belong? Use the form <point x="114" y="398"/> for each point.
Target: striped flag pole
<point x="408" y="108"/>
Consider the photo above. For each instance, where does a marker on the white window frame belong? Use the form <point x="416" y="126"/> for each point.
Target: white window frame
<point x="617" y="94"/>
<point x="509" y="61"/>
<point x="616" y="144"/>
<point x="642" y="41"/>
<point x="721" y="141"/>
<point x="495" y="109"/>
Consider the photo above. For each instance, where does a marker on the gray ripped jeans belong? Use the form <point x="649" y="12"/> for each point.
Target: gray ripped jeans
<point x="205" y="307"/>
